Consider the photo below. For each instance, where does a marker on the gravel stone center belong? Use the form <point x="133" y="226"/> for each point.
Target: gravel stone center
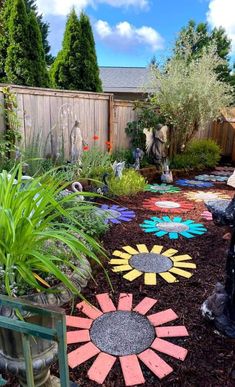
<point x="172" y="227"/>
<point x="167" y="204"/>
<point x="122" y="333"/>
<point x="151" y="263"/>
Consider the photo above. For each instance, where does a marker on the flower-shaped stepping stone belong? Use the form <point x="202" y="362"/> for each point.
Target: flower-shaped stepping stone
<point x="140" y="261"/>
<point x="194" y="183"/>
<point x="115" y="214"/>
<point x="201" y="196"/>
<point x="207" y="215"/>
<point x="225" y="168"/>
<point x="222" y="173"/>
<point x="215" y="178"/>
<point x="163" y="205"/>
<point x="127" y="334"/>
<point x="173" y="228"/>
<point x="162" y="188"/>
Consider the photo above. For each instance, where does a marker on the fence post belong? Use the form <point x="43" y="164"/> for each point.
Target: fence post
<point x="111" y="121"/>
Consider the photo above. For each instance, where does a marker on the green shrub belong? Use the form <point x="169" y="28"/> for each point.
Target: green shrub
<point x="92" y="225"/>
<point x="198" y="154"/>
<point x="130" y="183"/>
<point x="95" y="163"/>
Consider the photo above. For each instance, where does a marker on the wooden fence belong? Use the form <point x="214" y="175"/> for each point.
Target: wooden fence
<point x="47" y="117"/>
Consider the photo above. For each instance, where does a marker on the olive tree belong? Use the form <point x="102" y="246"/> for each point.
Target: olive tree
<point x="188" y="94"/>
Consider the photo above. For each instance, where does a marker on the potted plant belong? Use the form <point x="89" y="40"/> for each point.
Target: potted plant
<point x="40" y="258"/>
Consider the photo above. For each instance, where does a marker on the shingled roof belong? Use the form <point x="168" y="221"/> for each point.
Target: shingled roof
<point x="124" y="79"/>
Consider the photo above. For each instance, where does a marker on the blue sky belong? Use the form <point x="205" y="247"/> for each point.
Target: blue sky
<point x="130" y="32"/>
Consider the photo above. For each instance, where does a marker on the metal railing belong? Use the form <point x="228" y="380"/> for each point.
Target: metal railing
<point x="57" y="334"/>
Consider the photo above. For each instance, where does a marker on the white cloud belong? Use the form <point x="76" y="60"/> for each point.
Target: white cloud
<point x="222" y="13"/>
<point x="63" y="7"/>
<point x="128" y="36"/>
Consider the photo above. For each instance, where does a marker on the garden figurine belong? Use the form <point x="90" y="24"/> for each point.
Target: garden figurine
<point x="138" y="155"/>
<point x="76" y="144"/>
<point x="156" y="143"/>
<point x="118" y="168"/>
<point x="166" y="176"/>
<point x="76" y="187"/>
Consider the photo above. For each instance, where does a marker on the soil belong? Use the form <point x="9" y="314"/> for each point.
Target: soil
<point x="210" y="360"/>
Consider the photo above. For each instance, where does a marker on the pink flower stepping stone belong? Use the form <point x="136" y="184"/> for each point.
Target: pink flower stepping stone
<point x="175" y="331"/>
<point x="162" y="317"/>
<point x="131" y="370"/>
<point x="78" y="322"/>
<point x="101" y="367"/>
<point x="145" y="305"/>
<point x="89" y="310"/>
<point x="105" y="302"/>
<point x="78" y="336"/>
<point x="157" y="365"/>
<point x="169" y="349"/>
<point x="82" y="354"/>
<point x="125" y="301"/>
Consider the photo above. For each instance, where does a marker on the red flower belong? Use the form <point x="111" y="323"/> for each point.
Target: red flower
<point x="95" y="137"/>
<point x="108" y="143"/>
<point x="86" y="148"/>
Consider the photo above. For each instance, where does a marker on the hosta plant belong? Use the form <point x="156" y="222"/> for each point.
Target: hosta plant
<point x="35" y="248"/>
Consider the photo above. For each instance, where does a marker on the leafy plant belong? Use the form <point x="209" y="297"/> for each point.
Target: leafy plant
<point x="29" y="222"/>
<point x="91" y="224"/>
<point x="94" y="163"/>
<point x="198" y="154"/>
<point x="130" y="183"/>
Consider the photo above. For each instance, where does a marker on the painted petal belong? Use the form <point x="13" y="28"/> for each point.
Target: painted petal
<point x="78" y="336"/>
<point x="125" y="301"/>
<point x="173" y="235"/>
<point x="105" y="302"/>
<point x="104" y="207"/>
<point x="117" y="269"/>
<point x="115" y="221"/>
<point x="131" y="370"/>
<point x="120" y="254"/>
<point x="170" y="349"/>
<point x="168" y="277"/>
<point x="156" y="249"/>
<point x="177" y="219"/>
<point x="149" y="229"/>
<point x="101" y="367"/>
<point x="78" y="322"/>
<point x="82" y="354"/>
<point x="157" y="365"/>
<point x="183" y="273"/>
<point x="186" y="234"/>
<point x="162" y="317"/>
<point x="89" y="310"/>
<point x="118" y="261"/>
<point x="142" y="248"/>
<point x="130" y="250"/>
<point x="150" y="278"/>
<point x="188" y="221"/>
<point x="170" y="252"/>
<point x="175" y="331"/>
<point x="145" y="305"/>
<point x="132" y="275"/>
<point x="129" y="213"/>
<point x="179" y="258"/>
<point x="185" y="265"/>
<point x="166" y="219"/>
<point x="124" y="218"/>
<point x="161" y="233"/>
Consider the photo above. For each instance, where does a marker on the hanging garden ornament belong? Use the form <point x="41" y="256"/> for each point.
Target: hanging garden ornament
<point x="207" y="215"/>
<point x="173" y="228"/>
<point x="201" y="196"/>
<point x="126" y="333"/>
<point x="115" y="214"/>
<point x="213" y="178"/>
<point x="162" y="188"/>
<point x="140" y="261"/>
<point x="194" y="183"/>
<point x="162" y="205"/>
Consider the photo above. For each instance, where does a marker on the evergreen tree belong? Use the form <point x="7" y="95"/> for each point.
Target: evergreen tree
<point x="5" y="11"/>
<point x="36" y="53"/>
<point x="18" y="66"/>
<point x="64" y="71"/>
<point x="88" y="67"/>
<point x="44" y="28"/>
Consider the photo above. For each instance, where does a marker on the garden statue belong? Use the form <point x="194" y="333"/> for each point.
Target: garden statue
<point x="76" y="187"/>
<point x="104" y="189"/>
<point x="166" y="176"/>
<point x="156" y="143"/>
<point x="118" y="168"/>
<point x="138" y="155"/>
<point x="231" y="180"/>
<point x="76" y="144"/>
<point x="220" y="306"/>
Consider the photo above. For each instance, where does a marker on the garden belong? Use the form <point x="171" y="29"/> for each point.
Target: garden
<point x="125" y="242"/>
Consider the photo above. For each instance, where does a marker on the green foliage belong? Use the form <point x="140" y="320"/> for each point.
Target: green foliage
<point x="64" y="71"/>
<point x="95" y="163"/>
<point x="22" y="56"/>
<point x="75" y="67"/>
<point x="92" y="225"/>
<point x="130" y="184"/>
<point x="187" y="100"/>
<point x="31" y="235"/>
<point x="198" y="154"/>
<point x="88" y="67"/>
<point x="122" y="155"/>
